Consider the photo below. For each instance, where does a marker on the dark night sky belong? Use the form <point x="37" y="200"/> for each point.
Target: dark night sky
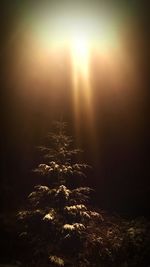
<point x="121" y="167"/>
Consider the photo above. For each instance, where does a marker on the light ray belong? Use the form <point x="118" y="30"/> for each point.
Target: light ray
<point x="82" y="90"/>
<point x="83" y="35"/>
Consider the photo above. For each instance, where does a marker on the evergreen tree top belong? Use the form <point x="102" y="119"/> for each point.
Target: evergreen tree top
<point x="59" y="148"/>
<point x="59" y="208"/>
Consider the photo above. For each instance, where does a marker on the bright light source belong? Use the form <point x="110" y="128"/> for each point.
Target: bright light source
<point x="80" y="45"/>
<point x="63" y="23"/>
<point x="81" y="30"/>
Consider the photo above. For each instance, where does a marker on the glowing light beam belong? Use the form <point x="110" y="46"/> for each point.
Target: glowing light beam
<point x="81" y="31"/>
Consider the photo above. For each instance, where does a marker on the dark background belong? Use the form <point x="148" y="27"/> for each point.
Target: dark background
<point x="120" y="172"/>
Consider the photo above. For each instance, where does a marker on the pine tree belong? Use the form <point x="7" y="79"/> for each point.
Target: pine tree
<point x="58" y="218"/>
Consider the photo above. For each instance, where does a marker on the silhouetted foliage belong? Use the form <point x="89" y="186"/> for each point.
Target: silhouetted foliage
<point x="59" y="228"/>
<point x="58" y="216"/>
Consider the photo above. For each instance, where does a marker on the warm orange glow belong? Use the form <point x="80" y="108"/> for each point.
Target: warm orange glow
<point x="77" y="49"/>
<point x="82" y="91"/>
